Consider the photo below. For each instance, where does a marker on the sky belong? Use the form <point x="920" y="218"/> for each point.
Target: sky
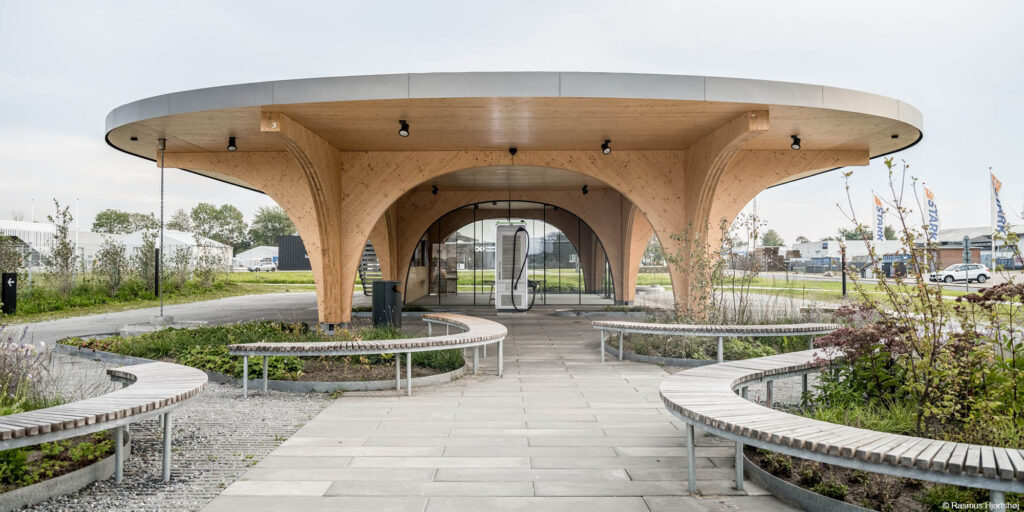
<point x="65" y="65"/>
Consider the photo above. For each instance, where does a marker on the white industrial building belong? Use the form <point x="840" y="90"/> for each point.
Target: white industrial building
<point x="36" y="240"/>
<point x="255" y="255"/>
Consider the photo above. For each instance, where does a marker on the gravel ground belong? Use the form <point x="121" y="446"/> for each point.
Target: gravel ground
<point x="217" y="436"/>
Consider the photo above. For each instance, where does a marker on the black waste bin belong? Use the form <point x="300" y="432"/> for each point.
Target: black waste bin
<point x="887" y="269"/>
<point x="387" y="304"/>
<point x="9" y="293"/>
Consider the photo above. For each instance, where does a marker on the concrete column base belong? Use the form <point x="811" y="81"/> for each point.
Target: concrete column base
<point x="161" y="320"/>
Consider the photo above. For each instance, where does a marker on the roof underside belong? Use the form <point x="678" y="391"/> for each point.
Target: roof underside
<point x="531" y="111"/>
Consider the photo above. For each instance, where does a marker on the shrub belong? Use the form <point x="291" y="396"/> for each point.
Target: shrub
<point x="13" y="464"/>
<point x="62" y="254"/>
<point x="112" y="264"/>
<point x="831" y="489"/>
<point x="938" y="497"/>
<point x="778" y="464"/>
<point x="809" y="474"/>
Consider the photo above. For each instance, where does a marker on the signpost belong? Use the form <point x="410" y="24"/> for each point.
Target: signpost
<point x="9" y="293"/>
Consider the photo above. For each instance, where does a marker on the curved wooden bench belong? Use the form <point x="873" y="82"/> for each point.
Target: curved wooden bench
<point x="151" y="389"/>
<point x="476" y="332"/>
<point x="706" y="397"/>
<point x="711" y="331"/>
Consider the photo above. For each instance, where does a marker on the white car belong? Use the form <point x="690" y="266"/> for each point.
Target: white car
<point x="265" y="265"/>
<point x="961" y="271"/>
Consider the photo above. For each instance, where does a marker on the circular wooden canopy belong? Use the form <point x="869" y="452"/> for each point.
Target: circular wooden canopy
<point x="533" y="111"/>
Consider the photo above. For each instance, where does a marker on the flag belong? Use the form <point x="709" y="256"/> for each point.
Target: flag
<point x="998" y="216"/>
<point x="879" y="220"/>
<point x="933" y="216"/>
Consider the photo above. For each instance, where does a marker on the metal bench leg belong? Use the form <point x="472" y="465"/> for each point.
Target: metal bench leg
<point x="408" y="373"/>
<point x="245" y="376"/>
<point x="602" y="345"/>
<point x="118" y="454"/>
<point x="447" y="329"/>
<point x="620" y="345"/>
<point x="803" y="388"/>
<point x="997" y="500"/>
<point x="398" y="371"/>
<point x="265" y="365"/>
<point x="739" y="466"/>
<point x="501" y="359"/>
<point x="476" y="359"/>
<point x="430" y="329"/>
<point x="485" y="351"/>
<point x="770" y="395"/>
<point x="810" y="345"/>
<point x="690" y="455"/>
<point x="166" y="475"/>
<point x="721" y="349"/>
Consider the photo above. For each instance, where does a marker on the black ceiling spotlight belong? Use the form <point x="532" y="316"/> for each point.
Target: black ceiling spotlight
<point x="494" y="203"/>
<point x="433" y="190"/>
<point x="895" y="136"/>
<point x="133" y="138"/>
<point x="403" y="128"/>
<point x="606" y="148"/>
<point x="513" y="150"/>
<point x="231" y="144"/>
<point x="796" y="142"/>
<point x="585" y="191"/>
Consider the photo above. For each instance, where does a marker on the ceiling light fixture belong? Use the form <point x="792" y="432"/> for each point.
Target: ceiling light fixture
<point x="796" y="142"/>
<point x="585" y="191"/>
<point x="434" y="190"/>
<point x="231" y="144"/>
<point x="895" y="136"/>
<point x="513" y="150"/>
<point x="606" y="148"/>
<point x="134" y="138"/>
<point x="403" y="128"/>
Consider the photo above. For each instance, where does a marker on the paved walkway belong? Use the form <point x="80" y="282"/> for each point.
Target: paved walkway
<point x="560" y="431"/>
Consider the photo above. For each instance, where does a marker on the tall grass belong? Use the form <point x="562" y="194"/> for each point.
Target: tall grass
<point x="26" y="381"/>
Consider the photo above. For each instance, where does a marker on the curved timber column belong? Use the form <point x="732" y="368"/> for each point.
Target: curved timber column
<point x="637" y="233"/>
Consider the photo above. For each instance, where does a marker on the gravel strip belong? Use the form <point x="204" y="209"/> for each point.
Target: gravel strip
<point x="217" y="436"/>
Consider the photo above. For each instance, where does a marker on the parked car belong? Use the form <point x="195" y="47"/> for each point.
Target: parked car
<point x="265" y="265"/>
<point x="960" y="271"/>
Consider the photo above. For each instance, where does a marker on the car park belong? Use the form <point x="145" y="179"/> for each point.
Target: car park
<point x="970" y="272"/>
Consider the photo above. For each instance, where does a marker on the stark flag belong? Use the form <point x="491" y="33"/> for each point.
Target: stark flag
<point x="933" y="216"/>
<point x="879" y="220"/>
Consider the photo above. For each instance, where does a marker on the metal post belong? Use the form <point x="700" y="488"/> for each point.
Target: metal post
<point x="997" y="500"/>
<point x="803" y="383"/>
<point x="739" y="466"/>
<point x="408" y="373"/>
<point x="166" y="475"/>
<point x="721" y="349"/>
<point x="265" y="361"/>
<point x="810" y="344"/>
<point x="447" y="329"/>
<point x="620" y="345"/>
<point x="770" y="395"/>
<point x="118" y="454"/>
<point x="690" y="455"/>
<point x="602" y="345"/>
<point x="430" y="328"/>
<point x="476" y="359"/>
<point x="501" y="358"/>
<point x="398" y="371"/>
<point x="245" y="377"/>
<point x="842" y="253"/>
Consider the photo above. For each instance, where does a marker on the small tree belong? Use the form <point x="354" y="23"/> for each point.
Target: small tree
<point x="268" y="224"/>
<point x="889" y="232"/>
<point x="207" y="262"/>
<point x="772" y="238"/>
<point x="112" y="264"/>
<point x="62" y="254"/>
<point x="144" y="260"/>
<point x="10" y="254"/>
<point x="802" y="239"/>
<point x="180" y="221"/>
<point x="181" y="266"/>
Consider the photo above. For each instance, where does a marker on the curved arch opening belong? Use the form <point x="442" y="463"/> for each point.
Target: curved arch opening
<point x="454" y="262"/>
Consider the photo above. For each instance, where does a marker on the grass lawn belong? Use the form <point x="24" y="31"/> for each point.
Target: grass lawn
<point x="231" y="289"/>
<point x="289" y="277"/>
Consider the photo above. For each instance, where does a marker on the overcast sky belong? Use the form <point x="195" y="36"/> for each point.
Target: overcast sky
<point x="64" y="65"/>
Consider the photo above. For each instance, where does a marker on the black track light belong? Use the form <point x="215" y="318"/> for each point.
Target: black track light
<point x="585" y="190"/>
<point x="796" y="142"/>
<point x="606" y="148"/>
<point x="231" y="144"/>
<point x="403" y="128"/>
<point x="434" y="190"/>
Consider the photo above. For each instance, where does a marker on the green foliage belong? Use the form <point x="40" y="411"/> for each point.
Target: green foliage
<point x="13" y="465"/>
<point x="938" y="498"/>
<point x="10" y="254"/>
<point x="744" y="348"/>
<point x="778" y="464"/>
<point x="831" y="489"/>
<point x="90" y="451"/>
<point x="772" y="238"/>
<point x="63" y="259"/>
<point x="440" y="360"/>
<point x="114" y="221"/>
<point x="217" y="358"/>
<point x="112" y="264"/>
<point x="224" y="224"/>
<point x="809" y="474"/>
<point x="894" y="417"/>
<point x="180" y="221"/>
<point x="269" y="223"/>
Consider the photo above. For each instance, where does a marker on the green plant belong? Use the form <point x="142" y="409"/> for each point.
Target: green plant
<point x="937" y="498"/>
<point x="831" y="489"/>
<point x="12" y="465"/>
<point x="89" y="451"/>
<point x="739" y="348"/>
<point x="809" y="475"/>
<point x="62" y="259"/>
<point x="778" y="464"/>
